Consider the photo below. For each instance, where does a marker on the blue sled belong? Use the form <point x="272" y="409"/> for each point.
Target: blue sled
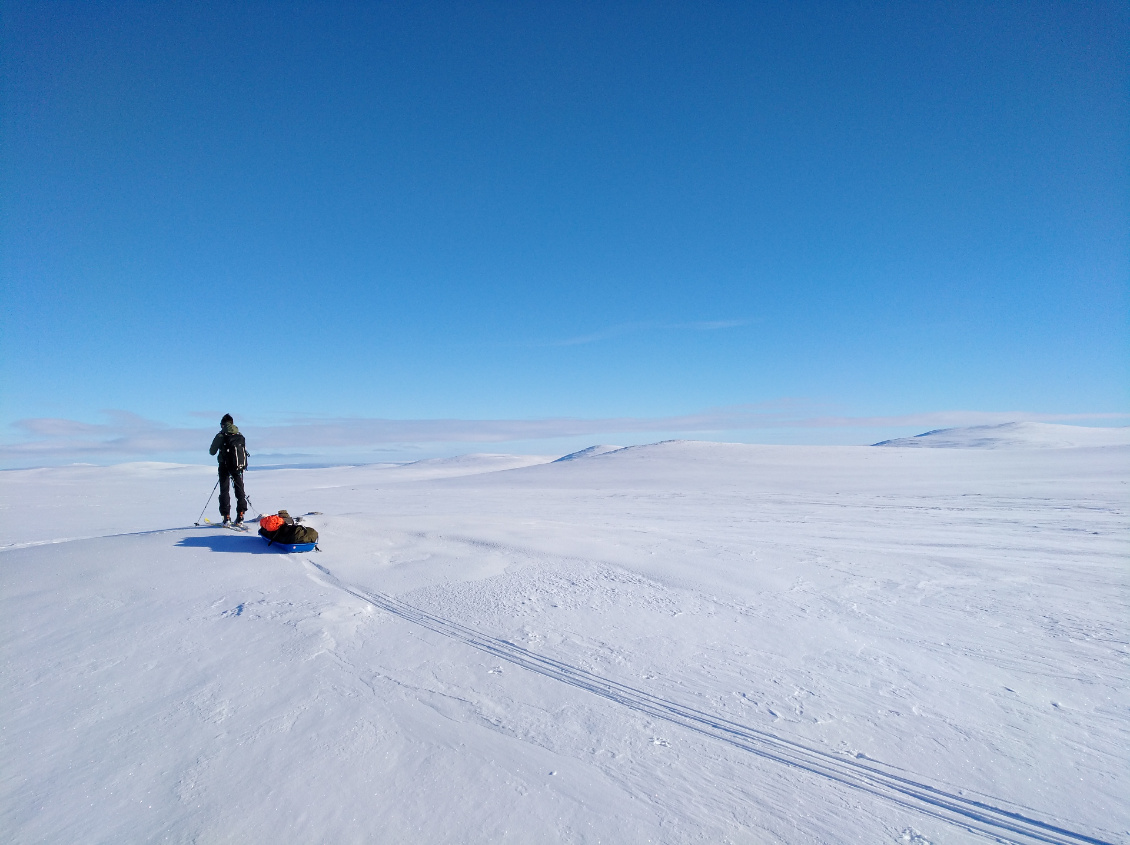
<point x="291" y="547"/>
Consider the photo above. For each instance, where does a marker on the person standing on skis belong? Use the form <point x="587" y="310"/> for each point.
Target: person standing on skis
<point x="230" y="450"/>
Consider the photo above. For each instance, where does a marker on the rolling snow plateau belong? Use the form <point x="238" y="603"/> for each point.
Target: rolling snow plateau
<point x="674" y="643"/>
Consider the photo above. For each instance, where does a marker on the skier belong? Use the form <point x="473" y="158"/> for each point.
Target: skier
<point x="231" y="451"/>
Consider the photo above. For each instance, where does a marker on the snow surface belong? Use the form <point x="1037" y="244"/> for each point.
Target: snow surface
<point x="683" y="642"/>
<point x="472" y="464"/>
<point x="1016" y="435"/>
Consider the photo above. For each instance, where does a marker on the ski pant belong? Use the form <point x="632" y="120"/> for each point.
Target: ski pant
<point x="236" y="477"/>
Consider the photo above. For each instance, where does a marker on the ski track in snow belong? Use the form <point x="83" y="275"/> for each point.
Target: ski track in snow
<point x="58" y="540"/>
<point x="990" y="817"/>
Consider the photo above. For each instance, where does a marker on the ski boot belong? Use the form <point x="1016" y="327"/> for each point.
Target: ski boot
<point x="239" y="518"/>
<point x="227" y="520"/>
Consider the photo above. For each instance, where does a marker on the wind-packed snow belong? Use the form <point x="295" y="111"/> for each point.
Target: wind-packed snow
<point x="683" y="642"/>
<point x="473" y="464"/>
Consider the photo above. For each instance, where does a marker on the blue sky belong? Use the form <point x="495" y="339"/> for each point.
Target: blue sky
<point x="557" y="223"/>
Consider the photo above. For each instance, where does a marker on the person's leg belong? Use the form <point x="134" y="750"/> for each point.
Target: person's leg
<point x="225" y="495"/>
<point x="240" y="496"/>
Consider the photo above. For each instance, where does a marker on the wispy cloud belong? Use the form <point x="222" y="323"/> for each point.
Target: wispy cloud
<point x="603" y="334"/>
<point x="949" y="419"/>
<point x="128" y="436"/>
<point x="713" y="325"/>
<point x="635" y="328"/>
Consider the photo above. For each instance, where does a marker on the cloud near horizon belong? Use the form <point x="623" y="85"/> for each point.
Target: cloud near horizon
<point x="128" y="435"/>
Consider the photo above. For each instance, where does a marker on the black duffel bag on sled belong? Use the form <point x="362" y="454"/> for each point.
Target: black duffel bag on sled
<point x="282" y="529"/>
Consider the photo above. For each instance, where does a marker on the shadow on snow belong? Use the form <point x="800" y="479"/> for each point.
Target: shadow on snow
<point x="248" y="544"/>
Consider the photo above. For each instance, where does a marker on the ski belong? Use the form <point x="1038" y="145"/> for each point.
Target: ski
<point x="231" y="526"/>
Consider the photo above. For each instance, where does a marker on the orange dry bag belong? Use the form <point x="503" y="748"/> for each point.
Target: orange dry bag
<point x="271" y="523"/>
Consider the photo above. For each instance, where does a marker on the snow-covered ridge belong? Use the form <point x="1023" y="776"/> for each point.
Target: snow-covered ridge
<point x="590" y="452"/>
<point x="427" y="469"/>
<point x="472" y="464"/>
<point x="1015" y="435"/>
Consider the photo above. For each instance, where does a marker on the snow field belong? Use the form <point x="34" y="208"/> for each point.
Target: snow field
<point x="686" y="642"/>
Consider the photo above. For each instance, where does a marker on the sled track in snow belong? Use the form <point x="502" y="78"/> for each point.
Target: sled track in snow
<point x="978" y="816"/>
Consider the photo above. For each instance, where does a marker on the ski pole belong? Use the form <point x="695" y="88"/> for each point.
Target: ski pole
<point x="210" y="495"/>
<point x="250" y="503"/>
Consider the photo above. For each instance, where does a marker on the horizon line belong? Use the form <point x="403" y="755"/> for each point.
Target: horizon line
<point x="128" y="434"/>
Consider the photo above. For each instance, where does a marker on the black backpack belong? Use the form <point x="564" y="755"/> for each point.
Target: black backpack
<point x="233" y="453"/>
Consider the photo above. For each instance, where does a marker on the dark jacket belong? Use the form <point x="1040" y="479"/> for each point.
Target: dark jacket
<point x="218" y="441"/>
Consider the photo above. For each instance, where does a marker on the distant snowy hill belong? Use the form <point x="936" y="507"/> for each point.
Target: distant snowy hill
<point x="1015" y="435"/>
<point x="590" y="452"/>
